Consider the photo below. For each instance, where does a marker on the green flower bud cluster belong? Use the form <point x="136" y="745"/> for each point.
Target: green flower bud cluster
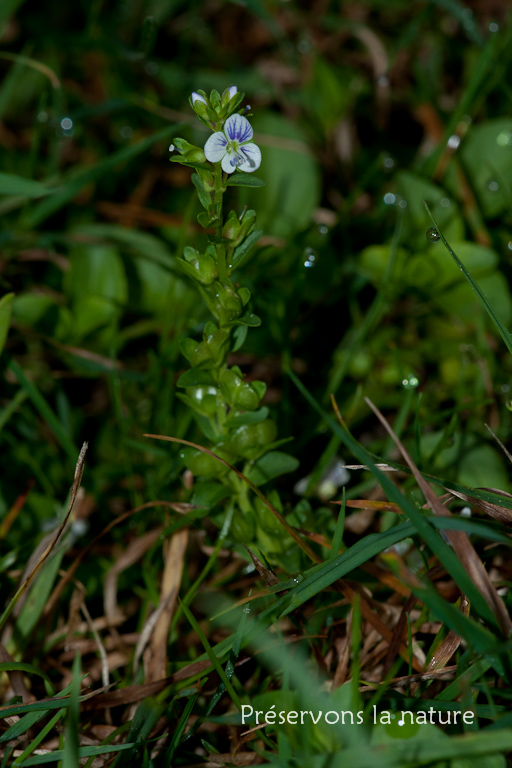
<point x="212" y="110"/>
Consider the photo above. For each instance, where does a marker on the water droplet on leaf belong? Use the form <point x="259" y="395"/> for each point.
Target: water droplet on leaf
<point x="432" y="235"/>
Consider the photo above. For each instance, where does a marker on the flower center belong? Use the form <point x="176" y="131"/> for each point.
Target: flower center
<point x="233" y="146"/>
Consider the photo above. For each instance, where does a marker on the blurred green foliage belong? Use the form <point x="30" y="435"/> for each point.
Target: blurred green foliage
<point x="362" y="111"/>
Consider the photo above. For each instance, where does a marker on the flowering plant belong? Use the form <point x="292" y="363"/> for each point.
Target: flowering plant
<point x="226" y="406"/>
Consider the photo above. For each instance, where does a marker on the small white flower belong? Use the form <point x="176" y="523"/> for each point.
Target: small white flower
<point x="232" y="90"/>
<point x="232" y="147"/>
<point x="171" y="147"/>
<point x="197" y="97"/>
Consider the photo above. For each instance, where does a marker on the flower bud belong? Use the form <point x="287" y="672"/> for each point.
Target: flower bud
<point x="231" y="228"/>
<point x="228" y="95"/>
<point x="228" y="298"/>
<point x="251" y="440"/>
<point x="189" y="152"/>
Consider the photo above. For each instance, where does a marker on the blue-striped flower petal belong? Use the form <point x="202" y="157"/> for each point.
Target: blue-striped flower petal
<point x="238" y="128"/>
<point x="215" y="147"/>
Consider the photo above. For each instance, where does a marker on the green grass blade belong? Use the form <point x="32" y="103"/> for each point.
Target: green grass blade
<point x="70" y="751"/>
<point x="10" y="184"/>
<point x="211" y="655"/>
<point x="421" y="523"/>
<point x="45" y="411"/>
<point x="39" y="737"/>
<point x="504" y="332"/>
<point x="20" y="666"/>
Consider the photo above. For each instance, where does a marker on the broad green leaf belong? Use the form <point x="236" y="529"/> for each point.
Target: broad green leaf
<point x="486" y="152"/>
<point x="209" y="494"/>
<point x="415" y="189"/>
<point x="291" y="175"/>
<point x="97" y="270"/>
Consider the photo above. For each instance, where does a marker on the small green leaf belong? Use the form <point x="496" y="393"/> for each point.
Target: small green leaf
<point x="244" y="180"/>
<point x="179" y="159"/>
<point x="195" y="377"/>
<point x="239" y="335"/>
<point x="270" y="466"/>
<point x="253" y="321"/>
<point x="5" y="317"/>
<point x="205" y="220"/>
<point x="251" y="417"/>
<point x="244" y="247"/>
<point x="204" y="196"/>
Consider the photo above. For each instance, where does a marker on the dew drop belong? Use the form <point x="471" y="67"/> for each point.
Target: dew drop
<point x="410" y="381"/>
<point x="127" y="133"/>
<point x="432" y="235"/>
<point x="504" y="139"/>
<point x="444" y="202"/>
<point x="493" y="186"/>
<point x="509" y="245"/>
<point x="42" y="117"/>
<point x="66" y="123"/>
<point x="493" y="27"/>
<point x="454" y="141"/>
<point x="388" y="162"/>
<point x="402" y="203"/>
<point x="323" y="229"/>
<point x="310" y="257"/>
<point x="389" y="198"/>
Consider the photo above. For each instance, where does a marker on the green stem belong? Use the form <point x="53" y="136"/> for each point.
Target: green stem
<point x="218" y="195"/>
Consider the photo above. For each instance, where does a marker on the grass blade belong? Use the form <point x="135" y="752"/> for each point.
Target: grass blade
<point x="504" y="332"/>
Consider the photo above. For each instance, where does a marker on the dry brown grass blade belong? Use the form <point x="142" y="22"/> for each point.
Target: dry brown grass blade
<point x="129" y="557"/>
<point x="79" y="470"/>
<point x="406" y="679"/>
<point x="503" y="514"/>
<point x="495" y="436"/>
<point x="66" y="578"/>
<point x="302" y="544"/>
<point x="171" y="582"/>
<point x="399" y="633"/>
<point x="350" y="591"/>
<point x="134" y="693"/>
<point x="458" y="539"/>
<point x="383" y="506"/>
<point x="449" y="645"/>
<point x="268" y="577"/>
<point x="14" y="511"/>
